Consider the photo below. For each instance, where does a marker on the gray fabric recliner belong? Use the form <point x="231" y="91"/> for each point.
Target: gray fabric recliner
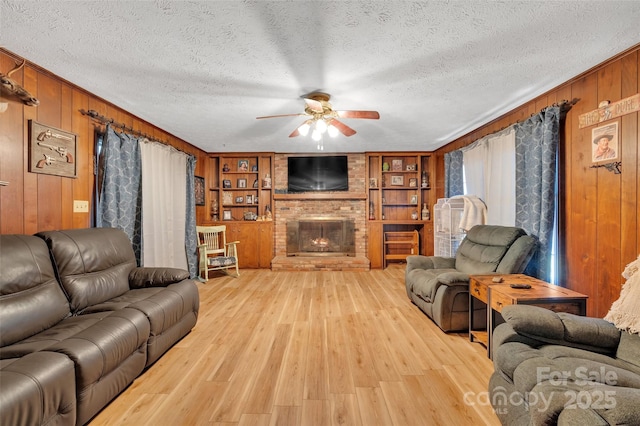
<point x="439" y="286"/>
<point x="559" y="368"/>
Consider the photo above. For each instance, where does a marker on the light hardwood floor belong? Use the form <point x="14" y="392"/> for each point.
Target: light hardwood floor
<point x="310" y="348"/>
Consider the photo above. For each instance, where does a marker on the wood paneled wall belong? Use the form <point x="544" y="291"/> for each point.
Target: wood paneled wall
<point x="34" y="202"/>
<point x="599" y="224"/>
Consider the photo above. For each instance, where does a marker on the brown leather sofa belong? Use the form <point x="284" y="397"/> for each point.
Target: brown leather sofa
<point x="79" y="322"/>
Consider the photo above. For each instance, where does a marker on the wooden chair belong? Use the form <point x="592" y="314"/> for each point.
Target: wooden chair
<point x="215" y="253"/>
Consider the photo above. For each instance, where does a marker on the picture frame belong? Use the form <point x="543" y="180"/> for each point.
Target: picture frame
<point x="242" y="183"/>
<point x="605" y="143"/>
<point x="226" y="183"/>
<point x="397" y="180"/>
<point x="414" y="199"/>
<point x="227" y="198"/>
<point x="226" y="215"/>
<point x="240" y="200"/>
<point x="396" y="165"/>
<point x="413" y="182"/>
<point x="198" y="187"/>
<point x="373" y="183"/>
<point x="412" y="167"/>
<point x="243" y="165"/>
<point x="52" y="151"/>
<point x="254" y="168"/>
<point x="249" y="199"/>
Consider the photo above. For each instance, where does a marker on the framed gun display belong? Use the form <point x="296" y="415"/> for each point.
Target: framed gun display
<point x="52" y="151"/>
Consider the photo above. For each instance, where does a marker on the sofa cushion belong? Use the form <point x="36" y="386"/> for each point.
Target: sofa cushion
<point x="38" y="389"/>
<point x="93" y="265"/>
<point x="547" y="326"/>
<point x="31" y="299"/>
<point x="629" y="349"/>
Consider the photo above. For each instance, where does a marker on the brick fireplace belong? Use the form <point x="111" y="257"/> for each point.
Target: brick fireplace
<point x="330" y="207"/>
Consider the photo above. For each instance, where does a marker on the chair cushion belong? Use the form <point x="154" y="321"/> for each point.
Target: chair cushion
<point x="222" y="261"/>
<point x="484" y="247"/>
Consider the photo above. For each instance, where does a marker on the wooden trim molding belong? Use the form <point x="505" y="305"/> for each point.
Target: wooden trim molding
<point x="322" y="196"/>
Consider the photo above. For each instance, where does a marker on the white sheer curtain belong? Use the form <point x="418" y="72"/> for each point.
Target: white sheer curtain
<point x="474" y="159"/>
<point x="163" y="205"/>
<point x="490" y="174"/>
<point x="500" y="188"/>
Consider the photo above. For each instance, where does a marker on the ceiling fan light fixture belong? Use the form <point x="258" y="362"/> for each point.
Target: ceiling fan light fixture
<point x="321" y="125"/>
<point x="304" y="128"/>
<point x="316" y="135"/>
<point x="332" y="130"/>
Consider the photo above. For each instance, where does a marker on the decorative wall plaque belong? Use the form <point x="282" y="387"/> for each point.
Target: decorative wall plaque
<point x="52" y="151"/>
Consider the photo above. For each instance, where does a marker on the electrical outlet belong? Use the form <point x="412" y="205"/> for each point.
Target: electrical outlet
<point x="80" y="206"/>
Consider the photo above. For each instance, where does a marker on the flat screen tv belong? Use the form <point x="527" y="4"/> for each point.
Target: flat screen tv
<point x="321" y="173"/>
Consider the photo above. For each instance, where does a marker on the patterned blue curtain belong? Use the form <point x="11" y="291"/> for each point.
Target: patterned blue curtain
<point x="537" y="140"/>
<point x="120" y="202"/>
<point x="453" y="174"/>
<point x="190" y="237"/>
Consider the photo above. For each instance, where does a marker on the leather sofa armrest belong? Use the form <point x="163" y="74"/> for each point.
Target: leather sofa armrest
<point x="430" y="262"/>
<point x="561" y="328"/>
<point x="156" y="277"/>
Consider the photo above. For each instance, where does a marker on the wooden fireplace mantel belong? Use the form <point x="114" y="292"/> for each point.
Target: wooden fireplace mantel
<point x="322" y="196"/>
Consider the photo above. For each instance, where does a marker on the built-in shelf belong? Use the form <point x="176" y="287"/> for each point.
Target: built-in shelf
<point x="322" y="196"/>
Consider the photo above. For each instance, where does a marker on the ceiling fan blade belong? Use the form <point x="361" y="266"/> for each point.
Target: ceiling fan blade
<point x="358" y="114"/>
<point x="314" y="105"/>
<point x="344" y="129"/>
<point x="294" y="133"/>
<point x="281" y="115"/>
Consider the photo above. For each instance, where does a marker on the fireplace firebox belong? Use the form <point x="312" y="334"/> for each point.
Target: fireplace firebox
<point x="321" y="236"/>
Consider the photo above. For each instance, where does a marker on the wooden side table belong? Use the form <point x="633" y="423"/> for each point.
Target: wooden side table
<point x="498" y="295"/>
<point x="478" y="307"/>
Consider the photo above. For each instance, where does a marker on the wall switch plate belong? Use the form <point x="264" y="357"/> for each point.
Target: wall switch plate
<point x="80" y="206"/>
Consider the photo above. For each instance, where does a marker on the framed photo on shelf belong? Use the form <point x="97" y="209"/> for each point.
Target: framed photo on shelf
<point x="412" y="167"/>
<point x="413" y="182"/>
<point x="242" y="183"/>
<point x="249" y="199"/>
<point x="397" y="180"/>
<point x="226" y="215"/>
<point x="413" y="199"/>
<point x="243" y="165"/>
<point x="226" y="183"/>
<point x="604" y="148"/>
<point x="198" y="187"/>
<point x="227" y="198"/>
<point x="396" y="165"/>
<point x="373" y="183"/>
<point x="239" y="200"/>
<point x="254" y="168"/>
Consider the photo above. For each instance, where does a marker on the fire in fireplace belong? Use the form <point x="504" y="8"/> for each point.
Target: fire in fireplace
<point x="321" y="237"/>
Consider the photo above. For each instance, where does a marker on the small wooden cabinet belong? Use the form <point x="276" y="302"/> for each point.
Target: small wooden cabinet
<point x="240" y="196"/>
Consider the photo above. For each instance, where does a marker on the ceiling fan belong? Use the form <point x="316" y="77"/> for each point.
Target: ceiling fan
<point x="323" y="118"/>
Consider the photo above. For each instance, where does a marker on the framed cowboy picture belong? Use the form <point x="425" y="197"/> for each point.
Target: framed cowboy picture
<point x="604" y="144"/>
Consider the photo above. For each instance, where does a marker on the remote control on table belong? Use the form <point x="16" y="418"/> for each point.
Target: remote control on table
<point x="520" y="286"/>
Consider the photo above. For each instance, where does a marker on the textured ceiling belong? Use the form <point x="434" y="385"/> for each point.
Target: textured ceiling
<point x="203" y="70"/>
